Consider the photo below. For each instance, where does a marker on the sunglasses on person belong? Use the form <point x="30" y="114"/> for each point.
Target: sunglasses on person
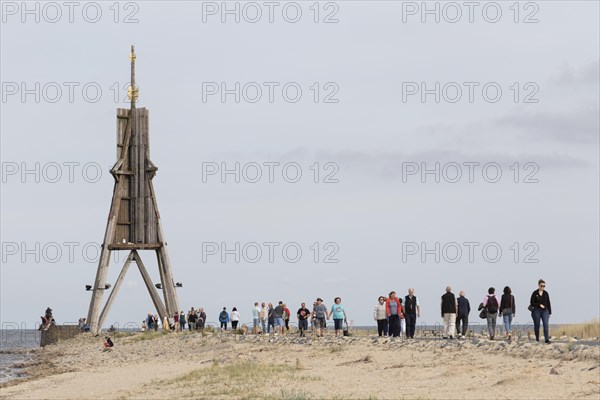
<point x="542" y="285"/>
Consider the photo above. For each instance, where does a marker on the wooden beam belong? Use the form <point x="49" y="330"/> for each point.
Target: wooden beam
<point x="115" y="290"/>
<point x="160" y="308"/>
<point x="134" y="246"/>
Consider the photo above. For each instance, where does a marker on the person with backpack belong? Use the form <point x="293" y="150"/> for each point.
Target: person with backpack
<point x="491" y="303"/>
<point x="224" y="319"/>
<point x="507" y="310"/>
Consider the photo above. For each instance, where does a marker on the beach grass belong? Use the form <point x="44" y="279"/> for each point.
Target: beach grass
<point x="586" y="330"/>
<point x="148" y="335"/>
<point x="242" y="379"/>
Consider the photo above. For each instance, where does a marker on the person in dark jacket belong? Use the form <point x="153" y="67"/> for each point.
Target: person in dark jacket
<point x="464" y="308"/>
<point x="449" y="311"/>
<point x="507" y="310"/>
<point x="540" y="302"/>
<point x="412" y="311"/>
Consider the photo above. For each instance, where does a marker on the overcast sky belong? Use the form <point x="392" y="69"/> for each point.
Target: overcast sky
<point x="362" y="116"/>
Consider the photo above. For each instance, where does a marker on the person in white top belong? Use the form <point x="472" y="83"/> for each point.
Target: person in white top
<point x="380" y="315"/>
<point x="235" y="318"/>
<point x="264" y="317"/>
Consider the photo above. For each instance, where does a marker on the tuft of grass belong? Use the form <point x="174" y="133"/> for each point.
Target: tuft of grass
<point x="584" y="330"/>
<point x="148" y="335"/>
<point x="336" y="349"/>
<point x="238" y="380"/>
<point x="294" y="395"/>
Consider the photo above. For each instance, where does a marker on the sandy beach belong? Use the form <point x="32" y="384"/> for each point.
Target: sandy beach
<point x="226" y="366"/>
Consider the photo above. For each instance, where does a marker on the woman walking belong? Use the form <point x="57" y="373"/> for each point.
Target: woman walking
<point x="393" y="310"/>
<point x="541" y="309"/>
<point x="271" y="318"/>
<point x="507" y="310"/>
<point x="380" y="315"/>
<point x="339" y="315"/>
<point x="235" y="318"/>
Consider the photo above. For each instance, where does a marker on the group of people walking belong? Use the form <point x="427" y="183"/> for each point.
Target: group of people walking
<point x="394" y="315"/>
<point x="456" y="311"/>
<point x="193" y="320"/>
<point x="267" y="319"/>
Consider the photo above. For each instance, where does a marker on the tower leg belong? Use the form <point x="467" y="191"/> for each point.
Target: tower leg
<point x="160" y="308"/>
<point x="115" y="290"/>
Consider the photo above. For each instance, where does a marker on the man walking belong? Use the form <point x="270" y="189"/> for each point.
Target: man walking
<point x="278" y="315"/>
<point x="255" y="318"/>
<point x="449" y="311"/>
<point x="319" y="313"/>
<point x="412" y="311"/>
<point x="303" y="314"/>
<point x="464" y="308"/>
<point x="264" y="318"/>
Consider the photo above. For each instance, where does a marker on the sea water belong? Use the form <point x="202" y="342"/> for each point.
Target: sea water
<point x="15" y="346"/>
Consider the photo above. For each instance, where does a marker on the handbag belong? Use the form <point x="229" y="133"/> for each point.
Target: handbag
<point x="346" y="331"/>
<point x="483" y="314"/>
<point x="531" y="308"/>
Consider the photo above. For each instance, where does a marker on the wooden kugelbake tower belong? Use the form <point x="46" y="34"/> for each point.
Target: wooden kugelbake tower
<point x="133" y="221"/>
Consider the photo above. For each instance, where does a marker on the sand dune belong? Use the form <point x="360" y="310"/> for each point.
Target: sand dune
<point x="227" y="366"/>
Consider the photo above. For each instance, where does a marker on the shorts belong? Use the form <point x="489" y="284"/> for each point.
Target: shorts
<point x="279" y="322"/>
<point x="339" y="323"/>
<point x="320" y="322"/>
<point x="256" y="322"/>
<point x="303" y="324"/>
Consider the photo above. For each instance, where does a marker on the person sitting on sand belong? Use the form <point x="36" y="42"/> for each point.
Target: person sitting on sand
<point x="108" y="343"/>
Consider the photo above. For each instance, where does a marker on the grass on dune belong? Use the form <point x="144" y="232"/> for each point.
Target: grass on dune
<point x="584" y="330"/>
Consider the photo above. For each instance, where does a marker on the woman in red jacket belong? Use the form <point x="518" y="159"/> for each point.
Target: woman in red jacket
<point x="393" y="308"/>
